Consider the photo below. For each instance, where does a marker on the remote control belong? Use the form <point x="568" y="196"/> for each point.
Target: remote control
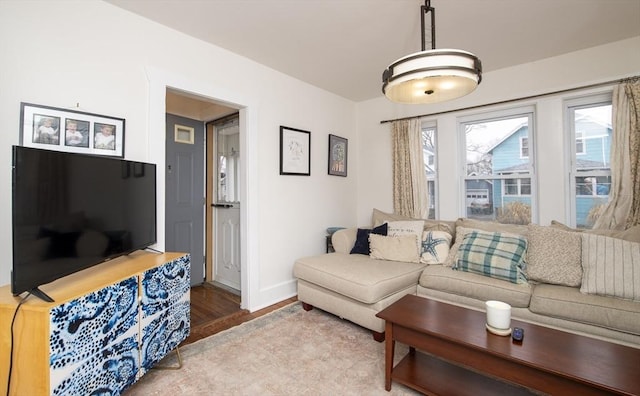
<point x="517" y="334"/>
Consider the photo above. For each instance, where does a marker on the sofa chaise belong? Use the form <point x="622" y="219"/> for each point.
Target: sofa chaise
<point x="582" y="282"/>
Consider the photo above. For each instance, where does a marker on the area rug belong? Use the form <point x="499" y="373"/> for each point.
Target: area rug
<point x="287" y="352"/>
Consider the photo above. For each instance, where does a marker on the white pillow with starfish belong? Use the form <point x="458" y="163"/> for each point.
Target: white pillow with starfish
<point x="434" y="247"/>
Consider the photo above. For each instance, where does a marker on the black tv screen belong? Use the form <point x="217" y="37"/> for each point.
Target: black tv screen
<point x="72" y="211"/>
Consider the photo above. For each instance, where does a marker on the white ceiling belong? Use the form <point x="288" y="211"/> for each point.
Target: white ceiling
<point x="343" y="46"/>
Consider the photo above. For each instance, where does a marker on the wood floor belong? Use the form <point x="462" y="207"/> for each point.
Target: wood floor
<point x="214" y="309"/>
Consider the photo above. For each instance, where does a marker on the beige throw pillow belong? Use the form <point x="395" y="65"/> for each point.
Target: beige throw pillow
<point x="379" y="217"/>
<point x="394" y="248"/>
<point x="611" y="267"/>
<point x="402" y="228"/>
<point x="554" y="256"/>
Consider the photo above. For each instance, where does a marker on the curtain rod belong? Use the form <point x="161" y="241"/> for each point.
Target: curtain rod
<point x="596" y="85"/>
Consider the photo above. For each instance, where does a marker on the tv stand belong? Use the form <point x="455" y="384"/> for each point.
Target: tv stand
<point x="41" y="295"/>
<point x="109" y="325"/>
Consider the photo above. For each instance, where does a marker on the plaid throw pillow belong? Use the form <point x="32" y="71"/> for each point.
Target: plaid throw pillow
<point x="493" y="254"/>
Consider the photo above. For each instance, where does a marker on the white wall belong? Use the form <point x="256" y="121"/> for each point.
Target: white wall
<point x="582" y="68"/>
<point x="115" y="63"/>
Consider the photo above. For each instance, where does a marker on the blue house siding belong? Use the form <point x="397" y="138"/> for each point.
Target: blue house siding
<point x="506" y="155"/>
<point x="597" y="148"/>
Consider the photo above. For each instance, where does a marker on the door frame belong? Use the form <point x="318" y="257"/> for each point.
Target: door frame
<point x="159" y="82"/>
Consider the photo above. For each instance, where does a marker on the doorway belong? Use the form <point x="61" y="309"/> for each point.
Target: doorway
<point x="188" y="108"/>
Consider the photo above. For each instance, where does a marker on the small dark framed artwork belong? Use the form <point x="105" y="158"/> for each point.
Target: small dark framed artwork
<point x="71" y="130"/>
<point x="295" y="151"/>
<point x="338" y="155"/>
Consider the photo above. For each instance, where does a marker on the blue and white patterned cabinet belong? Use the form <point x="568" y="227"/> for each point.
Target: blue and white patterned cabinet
<point x="165" y="322"/>
<point x="111" y="325"/>
<point x="94" y="341"/>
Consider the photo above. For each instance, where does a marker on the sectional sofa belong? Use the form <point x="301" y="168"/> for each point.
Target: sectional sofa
<point x="585" y="282"/>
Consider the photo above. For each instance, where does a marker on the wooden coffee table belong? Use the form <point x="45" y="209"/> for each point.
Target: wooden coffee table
<point x="457" y="355"/>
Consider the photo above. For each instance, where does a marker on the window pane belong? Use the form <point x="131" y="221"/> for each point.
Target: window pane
<point x="525" y="186"/>
<point x="591" y="165"/>
<point x="511" y="187"/>
<point x="499" y="171"/>
<point x="429" y="151"/>
<point x="227" y="144"/>
<point x="493" y="147"/>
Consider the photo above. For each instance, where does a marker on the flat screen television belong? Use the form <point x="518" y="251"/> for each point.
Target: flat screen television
<point x="72" y="211"/>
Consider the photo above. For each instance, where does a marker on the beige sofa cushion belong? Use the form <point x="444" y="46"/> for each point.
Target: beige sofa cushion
<point x="438" y="277"/>
<point x="492" y="226"/>
<point x="554" y="256"/>
<point x="631" y="234"/>
<point x="568" y="303"/>
<point x="358" y="276"/>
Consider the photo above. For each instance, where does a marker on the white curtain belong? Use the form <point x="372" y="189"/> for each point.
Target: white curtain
<point x="623" y="209"/>
<point x="410" y="191"/>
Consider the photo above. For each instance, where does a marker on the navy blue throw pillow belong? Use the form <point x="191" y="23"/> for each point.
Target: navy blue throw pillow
<point x="362" y="239"/>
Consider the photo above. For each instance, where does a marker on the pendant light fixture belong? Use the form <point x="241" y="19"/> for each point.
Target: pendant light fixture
<point x="431" y="76"/>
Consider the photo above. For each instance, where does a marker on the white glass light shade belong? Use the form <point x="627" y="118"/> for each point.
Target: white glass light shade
<point x="432" y="76"/>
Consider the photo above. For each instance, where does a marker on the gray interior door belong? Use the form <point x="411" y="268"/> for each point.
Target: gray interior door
<point x="184" y="217"/>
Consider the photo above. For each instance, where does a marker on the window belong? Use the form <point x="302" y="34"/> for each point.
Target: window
<point x="498" y="165"/>
<point x="429" y="150"/>
<point x="524" y="147"/>
<point x="589" y="126"/>
<point x="580" y="142"/>
<point x="517" y="187"/>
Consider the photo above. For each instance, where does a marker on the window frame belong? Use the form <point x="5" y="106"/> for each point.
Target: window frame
<point x="525" y="110"/>
<point x="570" y="105"/>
